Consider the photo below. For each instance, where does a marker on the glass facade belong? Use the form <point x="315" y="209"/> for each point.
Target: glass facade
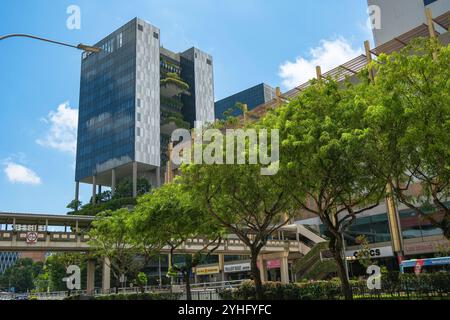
<point x="376" y="228"/>
<point x="7" y="259"/>
<point x="253" y="97"/>
<point x="132" y="97"/>
<point x="106" y="129"/>
<point x="414" y="226"/>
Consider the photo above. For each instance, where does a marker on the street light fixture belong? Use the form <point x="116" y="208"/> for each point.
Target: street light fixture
<point x="80" y="46"/>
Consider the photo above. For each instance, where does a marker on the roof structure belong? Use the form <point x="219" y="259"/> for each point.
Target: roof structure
<point x="354" y="66"/>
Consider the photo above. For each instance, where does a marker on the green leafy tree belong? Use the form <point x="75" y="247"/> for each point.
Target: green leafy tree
<point x="364" y="251"/>
<point x="111" y="236"/>
<point x="171" y="217"/>
<point x="409" y="118"/>
<point x="124" y="188"/>
<point x="141" y="281"/>
<point x="74" y="205"/>
<point x="242" y="200"/>
<point x="21" y="275"/>
<point x="56" y="266"/>
<point x="42" y="282"/>
<point x="324" y="154"/>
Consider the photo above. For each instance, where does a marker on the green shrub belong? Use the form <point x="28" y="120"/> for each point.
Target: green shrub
<point x="131" y="296"/>
<point x="392" y="283"/>
<point x="114" y="204"/>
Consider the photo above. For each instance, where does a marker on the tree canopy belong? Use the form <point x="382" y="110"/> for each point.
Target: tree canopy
<point x="409" y="117"/>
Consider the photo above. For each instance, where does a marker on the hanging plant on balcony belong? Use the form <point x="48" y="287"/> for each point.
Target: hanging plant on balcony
<point x="172" y="103"/>
<point x="173" y="79"/>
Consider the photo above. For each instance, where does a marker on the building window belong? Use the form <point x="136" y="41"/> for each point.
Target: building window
<point x="427" y="2"/>
<point x="138" y="131"/>
<point x="208" y="61"/>
<point x="155" y="35"/>
<point x="138" y="116"/>
<point x="140" y="27"/>
<point x="119" y="40"/>
<point x="138" y="103"/>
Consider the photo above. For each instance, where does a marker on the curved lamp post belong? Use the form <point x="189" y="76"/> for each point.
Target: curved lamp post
<point x="80" y="46"/>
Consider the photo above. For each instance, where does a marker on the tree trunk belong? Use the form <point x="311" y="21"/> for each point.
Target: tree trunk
<point x="336" y="246"/>
<point x="447" y="233"/>
<point x="187" y="282"/>
<point x="256" y="276"/>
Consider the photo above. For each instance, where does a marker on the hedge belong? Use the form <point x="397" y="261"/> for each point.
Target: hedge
<point x="131" y="296"/>
<point x="393" y="284"/>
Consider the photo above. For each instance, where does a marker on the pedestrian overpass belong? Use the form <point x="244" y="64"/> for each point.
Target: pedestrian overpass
<point x="21" y="232"/>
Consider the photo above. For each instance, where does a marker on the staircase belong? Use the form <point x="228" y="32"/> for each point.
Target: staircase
<point x="317" y="264"/>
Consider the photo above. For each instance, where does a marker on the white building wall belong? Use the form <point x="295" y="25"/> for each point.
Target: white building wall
<point x="147" y="143"/>
<point x="400" y="16"/>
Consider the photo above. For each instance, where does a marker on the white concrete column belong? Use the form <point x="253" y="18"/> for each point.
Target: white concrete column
<point x="90" y="281"/>
<point x="94" y="189"/>
<point x="222" y="266"/>
<point x="135" y="179"/>
<point x="284" y="269"/>
<point x="113" y="182"/>
<point x="262" y="268"/>
<point x="106" y="276"/>
<point x="158" y="177"/>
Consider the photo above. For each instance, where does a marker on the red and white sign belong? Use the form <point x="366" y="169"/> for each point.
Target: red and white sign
<point x="32" y="237"/>
<point x="271" y="264"/>
<point x="418" y="267"/>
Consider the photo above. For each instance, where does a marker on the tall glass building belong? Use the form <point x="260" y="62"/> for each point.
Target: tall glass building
<point x="133" y="94"/>
<point x="253" y="97"/>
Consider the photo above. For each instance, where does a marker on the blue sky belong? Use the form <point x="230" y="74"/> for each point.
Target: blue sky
<point x="252" y="41"/>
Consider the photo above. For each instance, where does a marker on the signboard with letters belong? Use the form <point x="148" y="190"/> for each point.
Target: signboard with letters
<point x="207" y="270"/>
<point x="378" y="252"/>
<point x="241" y="267"/>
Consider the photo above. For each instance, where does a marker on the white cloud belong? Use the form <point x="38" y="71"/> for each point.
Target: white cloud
<point x="328" y="55"/>
<point x="62" y="134"/>
<point x="17" y="173"/>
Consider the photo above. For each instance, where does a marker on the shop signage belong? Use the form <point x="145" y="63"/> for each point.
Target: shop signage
<point x="207" y="270"/>
<point x="379" y="252"/>
<point x="424" y="247"/>
<point x="241" y="267"/>
<point x="273" y="264"/>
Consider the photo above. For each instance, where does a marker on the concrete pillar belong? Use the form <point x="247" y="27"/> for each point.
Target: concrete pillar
<point x="284" y="268"/>
<point x="134" y="179"/>
<point x="77" y="191"/>
<point x="158" y="176"/>
<point x="195" y="278"/>
<point x="222" y="266"/>
<point x="106" y="276"/>
<point x="113" y="182"/>
<point x="90" y="281"/>
<point x="262" y="268"/>
<point x="94" y="189"/>
<point x="99" y="189"/>
<point x="394" y="223"/>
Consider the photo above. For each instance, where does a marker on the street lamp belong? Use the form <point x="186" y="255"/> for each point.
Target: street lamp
<point x="80" y="46"/>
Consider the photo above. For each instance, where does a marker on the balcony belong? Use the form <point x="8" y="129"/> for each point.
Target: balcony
<point x="172" y="86"/>
<point x="170" y="121"/>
